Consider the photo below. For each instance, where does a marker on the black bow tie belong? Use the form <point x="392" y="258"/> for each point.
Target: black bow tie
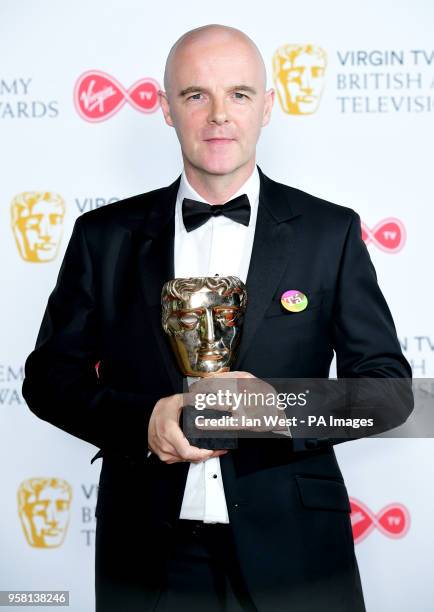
<point x="195" y="213"/>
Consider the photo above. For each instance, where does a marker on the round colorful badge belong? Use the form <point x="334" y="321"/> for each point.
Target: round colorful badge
<point x="294" y="300"/>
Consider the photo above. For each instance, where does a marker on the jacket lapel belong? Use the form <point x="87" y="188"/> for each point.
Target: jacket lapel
<point x="156" y="266"/>
<point x="273" y="248"/>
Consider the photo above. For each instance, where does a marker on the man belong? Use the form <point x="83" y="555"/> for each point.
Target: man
<point x="265" y="526"/>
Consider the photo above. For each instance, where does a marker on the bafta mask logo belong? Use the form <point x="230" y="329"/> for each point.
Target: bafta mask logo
<point x="298" y="72"/>
<point x="203" y="317"/>
<point x="43" y="507"/>
<point x="37" y="224"/>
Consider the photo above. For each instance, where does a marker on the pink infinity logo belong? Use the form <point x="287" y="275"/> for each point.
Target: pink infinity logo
<point x="98" y="96"/>
<point x="389" y="235"/>
<point x="393" y="520"/>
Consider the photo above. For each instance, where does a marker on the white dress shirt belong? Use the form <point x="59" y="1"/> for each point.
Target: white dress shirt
<point x="220" y="246"/>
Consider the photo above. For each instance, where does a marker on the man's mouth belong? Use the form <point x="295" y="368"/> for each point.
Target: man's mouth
<point x="219" y="140"/>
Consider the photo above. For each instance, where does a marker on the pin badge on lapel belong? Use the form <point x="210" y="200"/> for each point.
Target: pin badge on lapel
<point x="294" y="300"/>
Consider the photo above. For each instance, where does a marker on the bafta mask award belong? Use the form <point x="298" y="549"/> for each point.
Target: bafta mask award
<point x="203" y="318"/>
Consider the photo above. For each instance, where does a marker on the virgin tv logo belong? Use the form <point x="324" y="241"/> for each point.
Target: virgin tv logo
<point x="392" y="521"/>
<point x="388" y="235"/>
<point x="98" y="96"/>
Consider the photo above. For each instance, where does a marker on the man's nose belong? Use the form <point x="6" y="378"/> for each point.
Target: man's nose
<point x="217" y="112"/>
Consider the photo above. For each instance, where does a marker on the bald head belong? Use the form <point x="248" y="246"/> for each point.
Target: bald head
<point x="216" y="100"/>
<point x="212" y="37"/>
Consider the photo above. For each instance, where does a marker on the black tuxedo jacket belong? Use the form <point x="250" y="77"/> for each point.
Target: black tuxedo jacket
<point x="287" y="500"/>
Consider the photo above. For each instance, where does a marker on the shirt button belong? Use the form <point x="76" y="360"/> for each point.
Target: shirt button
<point x="214" y="475"/>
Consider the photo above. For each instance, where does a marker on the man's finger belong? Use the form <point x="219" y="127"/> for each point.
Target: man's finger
<point x="219" y="453"/>
<point x="185" y="450"/>
<point x="234" y="374"/>
<point x="170" y="458"/>
<point x="210" y="379"/>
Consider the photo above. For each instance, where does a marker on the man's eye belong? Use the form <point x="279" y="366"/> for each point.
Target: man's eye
<point x="239" y="95"/>
<point x="194" y="97"/>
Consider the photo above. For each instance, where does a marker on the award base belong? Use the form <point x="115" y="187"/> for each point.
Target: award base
<point x="212" y="440"/>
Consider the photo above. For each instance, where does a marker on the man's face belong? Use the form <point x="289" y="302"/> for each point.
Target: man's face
<point x="204" y="330"/>
<point x="217" y="103"/>
<point x="39" y="229"/>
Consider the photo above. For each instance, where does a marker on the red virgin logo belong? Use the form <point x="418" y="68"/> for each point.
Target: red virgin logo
<point x="98" y="96"/>
<point x="393" y="520"/>
<point x="388" y="235"/>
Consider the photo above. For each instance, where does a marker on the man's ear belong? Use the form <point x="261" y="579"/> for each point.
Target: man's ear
<point x="268" y="105"/>
<point x="165" y="107"/>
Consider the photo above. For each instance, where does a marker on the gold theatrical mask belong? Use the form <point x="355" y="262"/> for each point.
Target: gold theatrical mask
<point x="43" y="507"/>
<point x="203" y="318"/>
<point x="298" y="72"/>
<point x="37" y="223"/>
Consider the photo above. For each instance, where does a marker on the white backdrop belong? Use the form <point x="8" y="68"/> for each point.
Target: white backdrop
<point x="367" y="146"/>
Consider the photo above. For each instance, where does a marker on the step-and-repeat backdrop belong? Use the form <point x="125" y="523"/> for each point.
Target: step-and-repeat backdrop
<point x="81" y="127"/>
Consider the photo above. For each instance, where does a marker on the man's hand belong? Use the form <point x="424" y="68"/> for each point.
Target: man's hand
<point x="165" y="437"/>
<point x="250" y="415"/>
